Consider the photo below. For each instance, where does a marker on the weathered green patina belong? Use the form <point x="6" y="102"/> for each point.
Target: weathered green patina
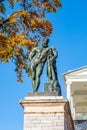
<point x="38" y="57"/>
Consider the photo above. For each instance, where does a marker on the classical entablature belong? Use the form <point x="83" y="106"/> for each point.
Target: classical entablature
<point x="76" y="84"/>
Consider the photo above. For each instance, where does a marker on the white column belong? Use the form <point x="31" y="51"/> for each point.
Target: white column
<point x="68" y="83"/>
<point x="72" y="108"/>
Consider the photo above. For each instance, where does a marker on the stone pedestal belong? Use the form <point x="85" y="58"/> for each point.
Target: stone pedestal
<point x="46" y="113"/>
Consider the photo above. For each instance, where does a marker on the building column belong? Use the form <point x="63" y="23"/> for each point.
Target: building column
<point x="69" y="83"/>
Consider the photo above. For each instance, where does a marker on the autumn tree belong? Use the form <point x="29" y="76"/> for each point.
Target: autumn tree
<point x="23" y="29"/>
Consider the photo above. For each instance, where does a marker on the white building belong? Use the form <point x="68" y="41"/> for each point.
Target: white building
<point x="76" y="85"/>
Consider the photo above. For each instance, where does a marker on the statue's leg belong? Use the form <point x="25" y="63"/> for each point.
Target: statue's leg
<point x="38" y="74"/>
<point x="34" y="85"/>
<point x="33" y="71"/>
<point x="33" y="76"/>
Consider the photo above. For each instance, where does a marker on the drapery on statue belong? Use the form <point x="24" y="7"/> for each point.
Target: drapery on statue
<point x="38" y="57"/>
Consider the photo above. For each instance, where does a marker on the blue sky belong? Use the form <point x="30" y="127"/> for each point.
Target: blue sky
<point x="69" y="37"/>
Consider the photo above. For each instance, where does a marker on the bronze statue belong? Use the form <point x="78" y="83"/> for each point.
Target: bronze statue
<point x="38" y="57"/>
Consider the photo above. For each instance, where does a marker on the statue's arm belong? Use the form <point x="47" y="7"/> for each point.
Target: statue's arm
<point x="54" y="53"/>
<point x="32" y="53"/>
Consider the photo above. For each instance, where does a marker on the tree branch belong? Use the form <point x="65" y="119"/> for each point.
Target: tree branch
<point x="4" y="22"/>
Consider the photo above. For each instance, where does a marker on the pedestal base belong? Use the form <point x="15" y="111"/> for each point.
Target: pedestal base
<point x="46" y="113"/>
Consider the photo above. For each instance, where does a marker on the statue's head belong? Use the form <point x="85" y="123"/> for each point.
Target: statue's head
<point x="45" y="42"/>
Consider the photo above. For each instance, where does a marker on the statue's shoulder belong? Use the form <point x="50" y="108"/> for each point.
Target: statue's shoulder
<point x="51" y="48"/>
<point x="34" y="48"/>
<point x="37" y="48"/>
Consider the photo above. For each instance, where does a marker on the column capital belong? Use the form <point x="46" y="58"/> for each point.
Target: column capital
<point x="68" y="82"/>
